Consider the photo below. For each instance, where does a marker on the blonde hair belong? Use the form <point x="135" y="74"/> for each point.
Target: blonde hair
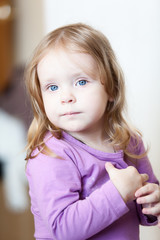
<point x="82" y="38"/>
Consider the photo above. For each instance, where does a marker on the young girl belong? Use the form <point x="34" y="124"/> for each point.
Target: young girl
<point x="87" y="169"/>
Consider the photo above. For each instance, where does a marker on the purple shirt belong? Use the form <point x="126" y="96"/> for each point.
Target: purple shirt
<point x="73" y="198"/>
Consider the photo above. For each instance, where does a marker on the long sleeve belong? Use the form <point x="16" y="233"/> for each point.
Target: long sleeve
<point x="55" y="187"/>
<point x="144" y="166"/>
<point x="73" y="198"/>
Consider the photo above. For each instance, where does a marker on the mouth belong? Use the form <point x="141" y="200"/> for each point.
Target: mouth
<point x="70" y="113"/>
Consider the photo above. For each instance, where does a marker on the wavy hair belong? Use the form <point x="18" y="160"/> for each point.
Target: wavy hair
<point x="81" y="38"/>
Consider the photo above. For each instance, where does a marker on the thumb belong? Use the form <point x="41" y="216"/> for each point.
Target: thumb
<point x="109" y="166"/>
<point x="144" y="177"/>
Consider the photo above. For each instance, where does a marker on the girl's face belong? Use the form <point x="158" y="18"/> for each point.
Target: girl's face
<point x="73" y="100"/>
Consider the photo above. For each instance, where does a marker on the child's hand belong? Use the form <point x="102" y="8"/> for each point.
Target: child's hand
<point x="149" y="197"/>
<point x="127" y="181"/>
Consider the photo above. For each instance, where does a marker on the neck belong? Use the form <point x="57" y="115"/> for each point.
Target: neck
<point x="96" y="139"/>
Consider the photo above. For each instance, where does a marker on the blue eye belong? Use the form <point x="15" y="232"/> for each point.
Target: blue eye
<point x="53" y="88"/>
<point x="82" y="82"/>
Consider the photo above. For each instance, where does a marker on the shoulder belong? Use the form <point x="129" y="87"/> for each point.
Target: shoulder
<point x="61" y="153"/>
<point x="57" y="147"/>
<point x="142" y="163"/>
<point x="46" y="172"/>
<point x="136" y="145"/>
<point x="135" y="151"/>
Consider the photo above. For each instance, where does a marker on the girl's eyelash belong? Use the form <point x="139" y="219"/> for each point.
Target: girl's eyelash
<point x="52" y="87"/>
<point x="81" y="82"/>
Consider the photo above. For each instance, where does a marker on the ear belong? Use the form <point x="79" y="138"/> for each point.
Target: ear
<point x="110" y="99"/>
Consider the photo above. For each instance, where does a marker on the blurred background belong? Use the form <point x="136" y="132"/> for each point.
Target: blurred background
<point x="133" y="28"/>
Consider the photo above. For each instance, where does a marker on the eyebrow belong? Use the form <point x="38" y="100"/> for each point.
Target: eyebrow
<point x="79" y="74"/>
<point x="52" y="79"/>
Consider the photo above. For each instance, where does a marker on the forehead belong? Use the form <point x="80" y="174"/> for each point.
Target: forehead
<point x="61" y="59"/>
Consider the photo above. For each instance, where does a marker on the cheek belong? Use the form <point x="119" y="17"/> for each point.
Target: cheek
<point x="100" y="98"/>
<point x="96" y="104"/>
<point x="49" y="106"/>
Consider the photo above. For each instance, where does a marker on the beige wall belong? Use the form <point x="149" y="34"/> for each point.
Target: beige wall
<point x="133" y="29"/>
<point x="28" y="28"/>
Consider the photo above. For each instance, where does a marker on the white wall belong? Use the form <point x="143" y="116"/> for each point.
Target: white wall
<point x="133" y="30"/>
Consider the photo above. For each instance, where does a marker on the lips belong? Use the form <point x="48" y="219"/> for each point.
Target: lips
<point x="70" y="113"/>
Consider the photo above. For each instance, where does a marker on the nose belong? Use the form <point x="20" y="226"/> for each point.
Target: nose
<point x="68" y="98"/>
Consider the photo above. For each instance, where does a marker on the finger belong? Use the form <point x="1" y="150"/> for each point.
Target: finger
<point x="151" y="198"/>
<point x="147" y="189"/>
<point x="109" y="166"/>
<point x="154" y="210"/>
<point x="144" y="177"/>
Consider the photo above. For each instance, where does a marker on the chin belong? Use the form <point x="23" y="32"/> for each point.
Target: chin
<point x="73" y="129"/>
